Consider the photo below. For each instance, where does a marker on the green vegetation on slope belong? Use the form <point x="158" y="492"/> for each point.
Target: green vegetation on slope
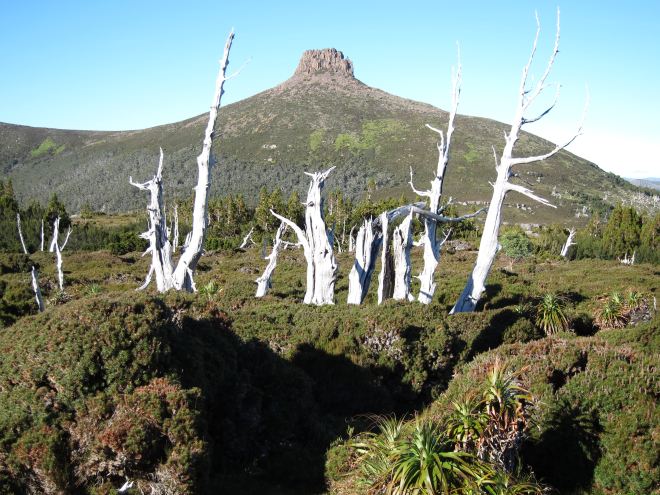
<point x="262" y="387"/>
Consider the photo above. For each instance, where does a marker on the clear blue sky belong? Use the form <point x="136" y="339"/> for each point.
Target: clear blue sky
<point x="125" y="64"/>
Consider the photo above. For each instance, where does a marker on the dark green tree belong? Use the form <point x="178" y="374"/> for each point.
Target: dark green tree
<point x="55" y="208"/>
<point x="621" y="233"/>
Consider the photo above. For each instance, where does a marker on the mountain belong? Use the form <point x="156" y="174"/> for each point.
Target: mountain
<point x="648" y="182"/>
<point x="321" y="116"/>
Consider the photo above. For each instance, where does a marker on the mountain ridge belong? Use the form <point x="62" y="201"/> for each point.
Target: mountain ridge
<point x="321" y="116"/>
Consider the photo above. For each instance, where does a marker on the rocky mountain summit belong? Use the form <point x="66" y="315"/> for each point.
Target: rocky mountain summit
<point x="327" y="60"/>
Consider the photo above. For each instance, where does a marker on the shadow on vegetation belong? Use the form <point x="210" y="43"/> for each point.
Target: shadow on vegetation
<point x="505" y="327"/>
<point x="270" y="420"/>
<point x="567" y="451"/>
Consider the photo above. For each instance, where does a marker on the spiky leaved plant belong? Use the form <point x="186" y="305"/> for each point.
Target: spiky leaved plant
<point x="466" y="423"/>
<point x="612" y="314"/>
<point x="425" y="462"/>
<point x="634" y="300"/>
<point x="506" y="404"/>
<point x="550" y="316"/>
<point x="377" y="449"/>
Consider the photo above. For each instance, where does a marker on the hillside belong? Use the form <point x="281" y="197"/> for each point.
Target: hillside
<point x="319" y="117"/>
<point x="219" y="392"/>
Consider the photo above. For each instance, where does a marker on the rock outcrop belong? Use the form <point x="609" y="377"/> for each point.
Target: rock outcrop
<point x="327" y="60"/>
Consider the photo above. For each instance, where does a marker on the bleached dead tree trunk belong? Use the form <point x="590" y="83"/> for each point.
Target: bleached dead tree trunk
<point x="316" y="241"/>
<point x="368" y="241"/>
<point x="386" y="275"/>
<point x="180" y="276"/>
<point x="488" y="246"/>
<point x="402" y="242"/>
<point x="42" y="234"/>
<point x="429" y="240"/>
<point x="175" y="229"/>
<point x="246" y="239"/>
<point x="351" y="240"/>
<point x="569" y="242"/>
<point x="57" y="249"/>
<point x="263" y="282"/>
<point x="159" y="244"/>
<point x="627" y="261"/>
<point x="34" y="273"/>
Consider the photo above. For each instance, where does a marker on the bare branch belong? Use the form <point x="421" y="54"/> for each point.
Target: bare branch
<point x="66" y="239"/>
<point x="302" y="239"/>
<point x="442" y="243"/>
<point x="557" y="149"/>
<point x="423" y="194"/>
<point x="148" y="279"/>
<point x="546" y="111"/>
<point x="528" y="193"/>
<point x="442" y="218"/>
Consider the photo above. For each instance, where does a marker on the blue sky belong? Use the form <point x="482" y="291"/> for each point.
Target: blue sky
<point x="131" y="64"/>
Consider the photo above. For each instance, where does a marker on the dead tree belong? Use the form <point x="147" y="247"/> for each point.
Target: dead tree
<point x="57" y="249"/>
<point x="627" y="261"/>
<point x="429" y="240"/>
<point x="35" y="274"/>
<point x="247" y="239"/>
<point x="386" y="275"/>
<point x="368" y="241"/>
<point x="175" y="229"/>
<point x="180" y="276"/>
<point x="488" y="246"/>
<point x="263" y="282"/>
<point x="351" y="240"/>
<point x="569" y="242"/>
<point x="316" y="241"/>
<point x="402" y="242"/>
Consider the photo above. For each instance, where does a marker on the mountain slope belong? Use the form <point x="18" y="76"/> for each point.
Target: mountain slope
<point x="321" y="116"/>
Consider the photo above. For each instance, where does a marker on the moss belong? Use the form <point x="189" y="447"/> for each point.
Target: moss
<point x="47" y="146"/>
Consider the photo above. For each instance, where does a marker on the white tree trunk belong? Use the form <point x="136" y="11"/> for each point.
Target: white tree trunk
<point x="488" y="245"/>
<point x="55" y="246"/>
<point x="246" y="239"/>
<point x="34" y="273"/>
<point x="20" y="232"/>
<point x="429" y="240"/>
<point x="351" y="240"/>
<point x="628" y="261"/>
<point x="367" y="243"/>
<point x="159" y="244"/>
<point x="56" y="234"/>
<point x="37" y="289"/>
<point x="386" y="276"/>
<point x="263" y="282"/>
<point x="317" y="243"/>
<point x="180" y="277"/>
<point x="569" y="242"/>
<point x="402" y="242"/>
<point x="175" y="230"/>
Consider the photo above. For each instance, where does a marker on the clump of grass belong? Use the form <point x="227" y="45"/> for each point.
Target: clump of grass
<point x="615" y="311"/>
<point x="550" y="314"/>
<point x="209" y="290"/>
<point x="93" y="289"/>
